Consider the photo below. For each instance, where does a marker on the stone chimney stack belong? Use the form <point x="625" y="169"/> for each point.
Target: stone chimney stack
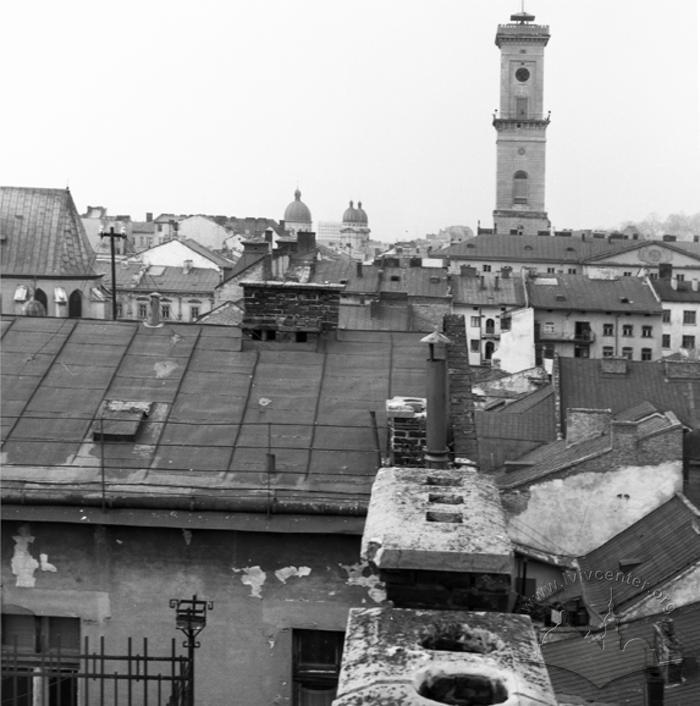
<point x="186" y="267"/>
<point x="154" y="320"/>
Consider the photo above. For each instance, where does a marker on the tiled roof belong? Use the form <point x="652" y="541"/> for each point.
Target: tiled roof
<point x="549" y="458"/>
<point x="626" y="294"/>
<point x="414" y="281"/>
<point x="221" y="405"/>
<point x="527" y="248"/>
<point x="533" y="402"/>
<point x="138" y="278"/>
<point x="682" y="293"/>
<point x="583" y="384"/>
<point x="226" y="314"/>
<point x="383" y="317"/>
<point x="612" y="670"/>
<point x="219" y="260"/>
<point x="483" y="290"/>
<point x="623" y="246"/>
<point x="42" y="235"/>
<point x="664" y="543"/>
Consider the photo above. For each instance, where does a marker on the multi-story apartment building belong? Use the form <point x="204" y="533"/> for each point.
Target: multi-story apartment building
<point x="487" y="302"/>
<point x="580" y="317"/>
<point x="680" y="322"/>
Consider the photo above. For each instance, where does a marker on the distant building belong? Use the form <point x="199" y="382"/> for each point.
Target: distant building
<point x="680" y="322"/>
<point x="45" y="255"/>
<point x="96" y="221"/>
<point x="297" y="216"/>
<point x="582" y="317"/>
<point x="521" y="129"/>
<point x="351" y="235"/>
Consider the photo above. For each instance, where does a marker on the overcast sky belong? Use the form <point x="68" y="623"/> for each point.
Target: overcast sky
<point x="224" y="107"/>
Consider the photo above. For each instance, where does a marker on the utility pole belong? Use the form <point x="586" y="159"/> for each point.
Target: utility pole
<point x="112" y="235"/>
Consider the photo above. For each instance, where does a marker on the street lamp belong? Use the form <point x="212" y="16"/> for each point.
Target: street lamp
<point x="190" y="620"/>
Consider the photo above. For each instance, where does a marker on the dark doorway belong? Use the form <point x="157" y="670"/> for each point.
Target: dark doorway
<point x="75" y="304"/>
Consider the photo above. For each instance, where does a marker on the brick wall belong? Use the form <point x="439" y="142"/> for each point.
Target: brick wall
<point x="287" y="307"/>
<point x="586" y="423"/>
<point x="461" y="402"/>
<point x="406" y="424"/>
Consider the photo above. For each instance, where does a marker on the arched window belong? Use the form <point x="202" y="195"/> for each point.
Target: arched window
<point x="520" y="187"/>
<point x="40" y="296"/>
<point x="488" y="350"/>
<point x="75" y="304"/>
<point x="489" y="326"/>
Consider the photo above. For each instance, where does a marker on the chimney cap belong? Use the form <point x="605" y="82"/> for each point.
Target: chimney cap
<point x="435" y="337"/>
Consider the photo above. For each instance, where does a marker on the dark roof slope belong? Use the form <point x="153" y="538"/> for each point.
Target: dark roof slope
<point x="665" y="384"/>
<point x="527" y="248"/>
<point x="218" y="407"/>
<point x="625" y="294"/>
<point x="612" y="670"/>
<point x="683" y="292"/>
<point x="156" y="278"/>
<point x="42" y="235"/>
<point x="488" y="290"/>
<point x="414" y="281"/>
<point x="663" y="544"/>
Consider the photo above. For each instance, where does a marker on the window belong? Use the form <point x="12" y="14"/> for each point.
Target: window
<point x="627" y="353"/>
<point x="646" y="331"/>
<point x="666" y="316"/>
<point x="572" y="270"/>
<point x="505" y="323"/>
<point x="474" y="345"/>
<point x="316" y="666"/>
<point x="688" y="342"/>
<point x="160" y="227"/>
<point x="548" y="327"/>
<point x="520" y="187"/>
<point x="646" y="353"/>
<point x="301" y="337"/>
<point x="608" y="330"/>
<point x="666" y="340"/>
<point x="142" y="310"/>
<point x="165" y="311"/>
<point x="120" y="310"/>
<point x="551" y="270"/>
<point x="680" y="278"/>
<point x="626" y="273"/>
<point x="486" y="268"/>
<point x="149" y="242"/>
<point x="194" y="313"/>
<point x="608" y="351"/>
<point x="29" y="638"/>
<point x="490" y="326"/>
<point x="689" y="317"/>
<point x="475" y="321"/>
<point x="627" y="329"/>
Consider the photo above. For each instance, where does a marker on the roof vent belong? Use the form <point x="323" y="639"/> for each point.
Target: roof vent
<point x="119" y="420"/>
<point x="625" y="300"/>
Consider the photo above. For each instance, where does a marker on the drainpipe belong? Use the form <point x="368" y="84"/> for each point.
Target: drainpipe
<point x="436" y="401"/>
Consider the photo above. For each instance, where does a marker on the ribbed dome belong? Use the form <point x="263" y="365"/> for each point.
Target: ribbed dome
<point x="356" y="216"/>
<point x="297" y="211"/>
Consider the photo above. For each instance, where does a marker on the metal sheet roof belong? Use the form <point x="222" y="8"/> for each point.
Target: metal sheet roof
<point x="218" y="408"/>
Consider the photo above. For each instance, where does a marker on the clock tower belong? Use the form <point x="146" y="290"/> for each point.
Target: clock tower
<point x="521" y="129"/>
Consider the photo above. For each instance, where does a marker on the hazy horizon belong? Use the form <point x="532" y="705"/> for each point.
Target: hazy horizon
<point x="227" y="108"/>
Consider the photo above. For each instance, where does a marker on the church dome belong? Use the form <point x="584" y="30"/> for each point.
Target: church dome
<point x="297" y="211"/>
<point x="355" y="216"/>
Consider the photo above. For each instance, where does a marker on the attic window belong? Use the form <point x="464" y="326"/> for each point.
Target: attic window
<point x="120" y="420"/>
<point x="528" y="247"/>
<point x="471" y="245"/>
<point x="624" y="300"/>
<point x="21" y="293"/>
<point x="343" y="281"/>
<point x="395" y="278"/>
<point x="560" y="298"/>
<point x="570" y="249"/>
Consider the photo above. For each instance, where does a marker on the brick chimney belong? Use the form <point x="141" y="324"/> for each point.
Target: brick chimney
<point x="306" y="241"/>
<point x="624" y="439"/>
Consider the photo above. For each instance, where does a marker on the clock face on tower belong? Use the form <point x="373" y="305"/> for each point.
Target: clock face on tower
<point x="522" y="74"/>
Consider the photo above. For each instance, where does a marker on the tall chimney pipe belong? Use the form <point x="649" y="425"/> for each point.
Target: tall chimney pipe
<point x="436" y="401"/>
<point x="153" y="320"/>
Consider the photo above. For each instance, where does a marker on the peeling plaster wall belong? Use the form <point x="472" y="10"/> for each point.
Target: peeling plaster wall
<point x="576" y="514"/>
<point x="118" y="581"/>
